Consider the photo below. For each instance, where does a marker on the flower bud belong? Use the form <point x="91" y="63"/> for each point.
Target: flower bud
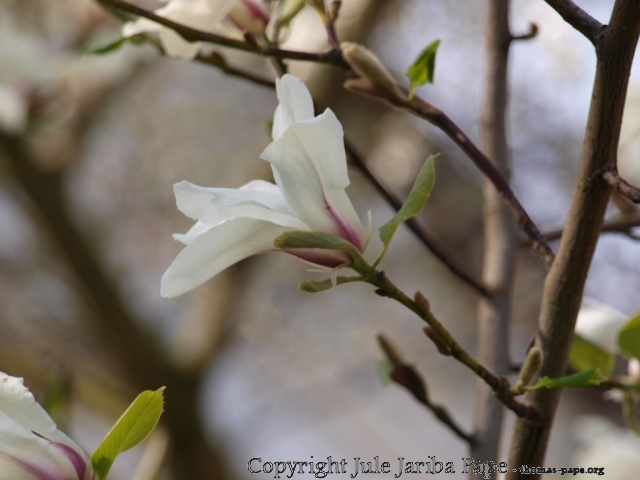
<point x="250" y="16"/>
<point x="366" y="64"/>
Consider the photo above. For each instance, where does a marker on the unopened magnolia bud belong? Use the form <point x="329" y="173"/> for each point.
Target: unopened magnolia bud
<point x="529" y="370"/>
<point x="250" y="16"/>
<point x="367" y="65"/>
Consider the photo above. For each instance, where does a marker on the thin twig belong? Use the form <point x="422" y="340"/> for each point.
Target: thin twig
<point x="330" y="24"/>
<point x="624" y="225"/>
<point x="331" y="57"/>
<point x="624" y="188"/>
<point x="425" y="237"/>
<point x="406" y="376"/>
<point x="438" y="118"/>
<point x="215" y="59"/>
<point x="578" y="19"/>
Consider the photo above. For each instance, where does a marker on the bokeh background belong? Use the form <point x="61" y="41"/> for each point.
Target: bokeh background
<point x="269" y="371"/>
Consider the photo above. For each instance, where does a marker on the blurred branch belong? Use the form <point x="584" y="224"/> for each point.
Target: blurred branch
<point x="332" y="57"/>
<point x="140" y="360"/>
<point x="621" y="186"/>
<point x="623" y="225"/>
<point x="217" y="60"/>
<point x="564" y="285"/>
<point x="406" y="376"/>
<point x="437" y="117"/>
<point x="578" y="19"/>
<point x="500" y="243"/>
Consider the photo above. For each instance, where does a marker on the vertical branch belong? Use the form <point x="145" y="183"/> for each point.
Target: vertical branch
<point x="565" y="283"/>
<point x="500" y="245"/>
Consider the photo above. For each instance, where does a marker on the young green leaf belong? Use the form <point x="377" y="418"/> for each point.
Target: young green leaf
<point x="423" y="68"/>
<point x="586" y="356"/>
<point x="415" y="202"/>
<point x="629" y="337"/>
<point x="587" y="378"/>
<point x="131" y="428"/>
<point x="288" y="10"/>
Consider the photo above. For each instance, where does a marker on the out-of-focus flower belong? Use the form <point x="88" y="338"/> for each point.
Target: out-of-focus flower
<point x="600" y="324"/>
<point x="31" y="447"/>
<point x="250" y="16"/>
<point x="309" y="165"/>
<point x="205" y="15"/>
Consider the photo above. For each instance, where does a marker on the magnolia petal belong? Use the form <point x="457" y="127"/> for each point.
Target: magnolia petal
<point x="296" y="104"/>
<point x="218" y="248"/>
<point x="32" y="456"/>
<point x="198" y="229"/>
<point x="310" y="167"/>
<point x="18" y="403"/>
<point x="258" y="199"/>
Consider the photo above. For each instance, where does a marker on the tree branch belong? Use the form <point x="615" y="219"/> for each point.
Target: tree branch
<point x="578" y="19"/>
<point x="621" y="186"/>
<point x="624" y="225"/>
<point x="565" y="283"/>
<point x="406" y="376"/>
<point x="500" y="247"/>
<point x="332" y="57"/>
<point x="425" y="110"/>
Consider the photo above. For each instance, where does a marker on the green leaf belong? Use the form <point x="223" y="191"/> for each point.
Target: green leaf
<point x="385" y="369"/>
<point x="629" y="337"/>
<point x="587" y="378"/>
<point x="112" y="45"/>
<point x="587" y="356"/>
<point x="423" y="68"/>
<point x="415" y="202"/>
<point x="132" y="428"/>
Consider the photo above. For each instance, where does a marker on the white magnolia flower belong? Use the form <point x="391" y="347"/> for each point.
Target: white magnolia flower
<point x="31" y="447"/>
<point x="205" y="15"/>
<point x="309" y="165"/>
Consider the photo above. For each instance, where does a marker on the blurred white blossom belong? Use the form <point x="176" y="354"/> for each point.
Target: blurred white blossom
<point x="205" y="15"/>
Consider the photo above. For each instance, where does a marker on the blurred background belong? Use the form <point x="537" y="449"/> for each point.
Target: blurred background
<point x="90" y="147"/>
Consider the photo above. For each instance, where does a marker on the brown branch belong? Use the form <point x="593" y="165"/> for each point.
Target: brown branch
<point x="215" y="59"/>
<point x="564" y="285"/>
<point x="425" y="237"/>
<point x="438" y="118"/>
<point x="578" y="19"/>
<point x="500" y="244"/>
<point x="332" y="57"/>
<point x="625" y="225"/>
<point x="621" y="186"/>
<point x="406" y="376"/>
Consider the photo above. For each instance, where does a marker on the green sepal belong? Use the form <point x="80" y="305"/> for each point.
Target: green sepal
<point x="324" y="285"/>
<point x="629" y="337"/>
<point x="588" y="378"/>
<point x="423" y="68"/>
<point x="135" y="424"/>
<point x="587" y="356"/>
<point x="415" y="202"/>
